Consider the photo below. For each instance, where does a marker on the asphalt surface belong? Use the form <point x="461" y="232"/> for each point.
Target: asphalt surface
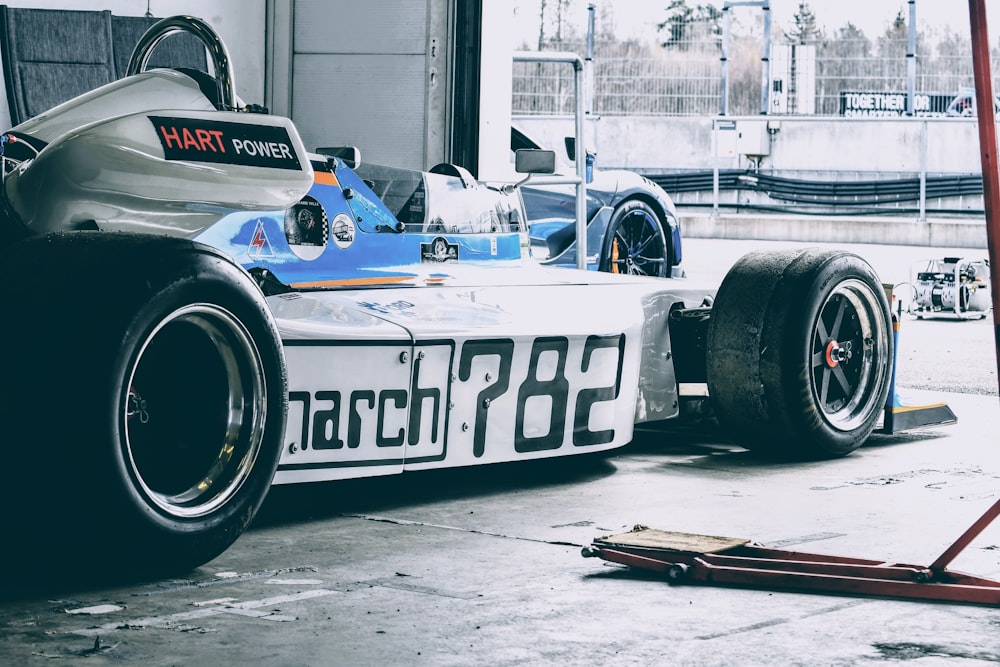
<point x="483" y="566"/>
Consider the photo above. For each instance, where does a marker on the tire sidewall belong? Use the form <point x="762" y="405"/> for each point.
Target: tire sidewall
<point x="759" y="352"/>
<point x="207" y="280"/>
<point x="787" y="341"/>
<point x="86" y="302"/>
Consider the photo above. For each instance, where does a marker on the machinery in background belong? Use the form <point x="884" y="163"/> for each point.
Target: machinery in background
<point x="952" y="287"/>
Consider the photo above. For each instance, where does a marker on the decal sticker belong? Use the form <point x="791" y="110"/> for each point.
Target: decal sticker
<point x="259" y="245"/>
<point x="306" y="228"/>
<point x="343" y="231"/>
<point x="400" y="307"/>
<point x="438" y="250"/>
<point x="506" y="399"/>
<point x="223" y="142"/>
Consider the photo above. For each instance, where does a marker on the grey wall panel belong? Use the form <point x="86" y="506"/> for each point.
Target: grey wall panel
<point x="376" y="103"/>
<point x="347" y="26"/>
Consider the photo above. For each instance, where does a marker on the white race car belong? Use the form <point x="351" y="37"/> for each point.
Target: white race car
<point x="198" y="307"/>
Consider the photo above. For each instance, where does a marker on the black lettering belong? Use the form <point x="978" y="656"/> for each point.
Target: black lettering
<point x="502" y="348"/>
<point x="303" y="397"/>
<point x="417" y="405"/>
<point x="354" y="420"/>
<point x="398" y="398"/>
<point x="326" y="423"/>
<point x="585" y="400"/>
<point x="557" y="388"/>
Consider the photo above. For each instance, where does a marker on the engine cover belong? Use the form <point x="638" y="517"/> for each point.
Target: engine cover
<point x="164" y="173"/>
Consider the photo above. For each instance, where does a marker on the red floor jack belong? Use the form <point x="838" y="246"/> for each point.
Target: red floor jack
<point x="707" y="559"/>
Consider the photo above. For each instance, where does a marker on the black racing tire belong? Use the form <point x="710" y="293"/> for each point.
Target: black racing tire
<point x="143" y="399"/>
<point x="636" y="242"/>
<point x="799" y="353"/>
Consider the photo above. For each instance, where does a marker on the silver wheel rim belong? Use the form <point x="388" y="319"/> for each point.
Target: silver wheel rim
<point x="193" y="411"/>
<point x="849" y="355"/>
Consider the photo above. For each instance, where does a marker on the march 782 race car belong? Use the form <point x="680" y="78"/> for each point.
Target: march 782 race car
<point x="200" y="307"/>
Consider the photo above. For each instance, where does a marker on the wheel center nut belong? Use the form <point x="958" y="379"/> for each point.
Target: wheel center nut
<point x="837" y="353"/>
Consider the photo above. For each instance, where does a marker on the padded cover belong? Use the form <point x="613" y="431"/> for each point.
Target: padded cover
<point x="50" y="56"/>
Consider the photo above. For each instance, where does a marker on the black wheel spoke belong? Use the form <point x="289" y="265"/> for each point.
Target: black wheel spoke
<point x="839" y="318"/>
<point x="845" y="384"/>
<point x="641" y="247"/>
<point x="821" y="335"/>
<point x="824" y="385"/>
<point x="638" y="245"/>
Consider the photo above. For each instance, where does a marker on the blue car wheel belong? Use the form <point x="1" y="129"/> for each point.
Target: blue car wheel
<point x="636" y="243"/>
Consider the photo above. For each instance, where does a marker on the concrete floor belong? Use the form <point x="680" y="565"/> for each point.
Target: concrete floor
<point x="483" y="566"/>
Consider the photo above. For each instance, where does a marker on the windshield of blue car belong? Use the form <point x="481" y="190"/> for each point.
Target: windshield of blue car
<point x="438" y="203"/>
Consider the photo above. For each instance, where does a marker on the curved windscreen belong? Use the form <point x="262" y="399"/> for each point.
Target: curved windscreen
<point x="437" y="203"/>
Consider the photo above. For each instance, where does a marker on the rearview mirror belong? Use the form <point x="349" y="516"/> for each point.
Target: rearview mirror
<point x="534" y="161"/>
<point x="351" y="155"/>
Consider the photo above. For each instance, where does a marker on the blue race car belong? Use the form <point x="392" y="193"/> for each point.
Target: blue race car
<point x="632" y="225"/>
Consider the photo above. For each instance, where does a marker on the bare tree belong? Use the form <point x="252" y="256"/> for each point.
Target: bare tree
<point x="541" y="26"/>
<point x="686" y="25"/>
<point x="805" y="30"/>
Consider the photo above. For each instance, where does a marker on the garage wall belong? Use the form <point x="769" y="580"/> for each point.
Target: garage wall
<point x="240" y="23"/>
<point x="372" y="75"/>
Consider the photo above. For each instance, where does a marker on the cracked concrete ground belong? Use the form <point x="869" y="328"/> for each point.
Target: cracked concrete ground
<point x="483" y="566"/>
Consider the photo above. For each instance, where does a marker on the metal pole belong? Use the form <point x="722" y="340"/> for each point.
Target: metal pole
<point x="911" y="60"/>
<point x="987" y="150"/>
<point x="580" y="180"/>
<point x="923" y="171"/>
<point x="715" y="169"/>
<point x="588" y="61"/>
<point x="765" y="88"/>
<point x="991" y="201"/>
<point x="581" y="171"/>
<point x="724" y="92"/>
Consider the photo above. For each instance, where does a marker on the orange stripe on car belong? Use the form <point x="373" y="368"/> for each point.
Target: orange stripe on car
<point x="324" y="178"/>
<point x="351" y="282"/>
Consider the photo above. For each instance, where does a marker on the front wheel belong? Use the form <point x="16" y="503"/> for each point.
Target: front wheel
<point x="636" y="243"/>
<point x="145" y="405"/>
<point x="799" y="352"/>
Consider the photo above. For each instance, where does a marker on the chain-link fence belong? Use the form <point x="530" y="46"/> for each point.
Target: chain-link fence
<point x="808" y="70"/>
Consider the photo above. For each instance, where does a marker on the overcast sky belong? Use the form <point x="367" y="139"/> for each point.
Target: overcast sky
<point x="637" y="18"/>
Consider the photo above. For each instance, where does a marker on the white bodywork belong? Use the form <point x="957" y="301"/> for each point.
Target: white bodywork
<point x="380" y="382"/>
<point x="116" y="141"/>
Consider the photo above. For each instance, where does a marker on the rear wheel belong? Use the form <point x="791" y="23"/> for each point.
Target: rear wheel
<point x="145" y="406"/>
<point x="636" y="243"/>
<point x="799" y="352"/>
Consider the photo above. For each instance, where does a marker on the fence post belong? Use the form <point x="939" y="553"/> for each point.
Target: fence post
<point x="724" y="87"/>
<point x="765" y="85"/>
<point x="715" y="168"/>
<point x="911" y="61"/>
<point x="923" y="171"/>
